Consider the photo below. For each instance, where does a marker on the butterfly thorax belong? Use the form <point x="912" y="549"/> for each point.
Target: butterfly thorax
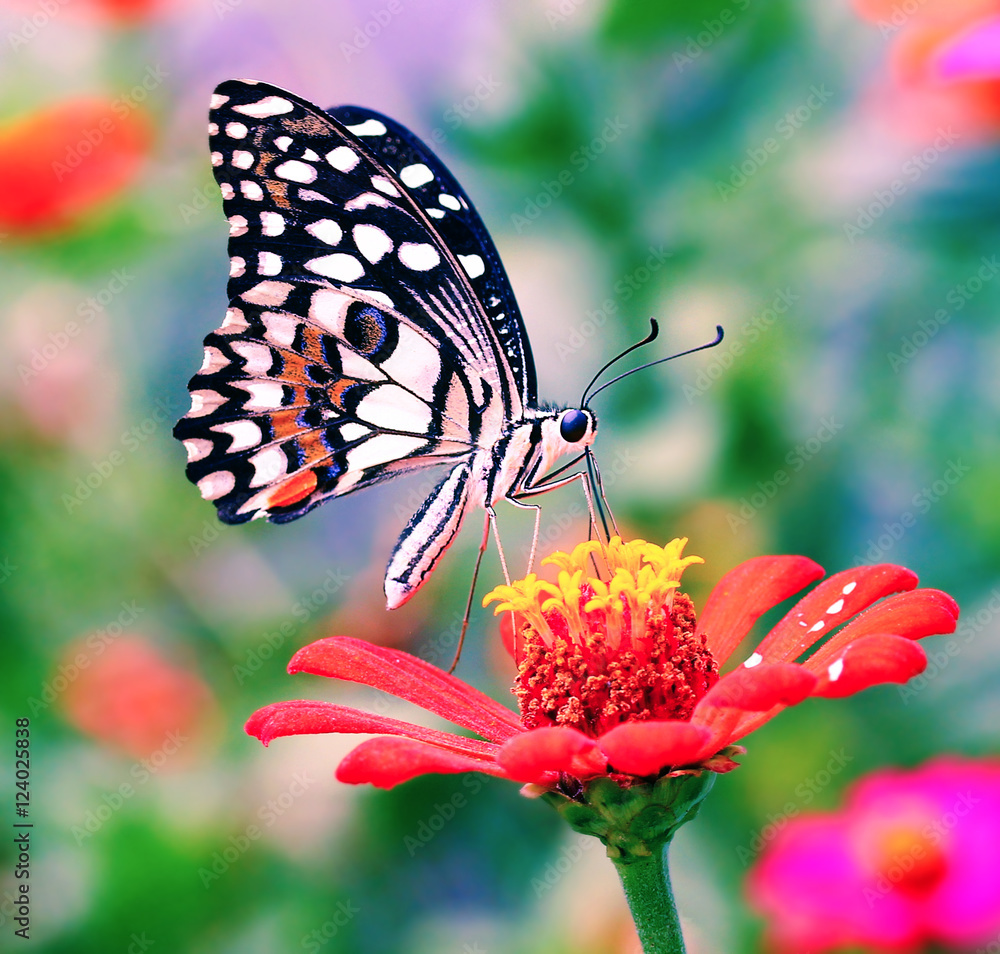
<point x="529" y="448"/>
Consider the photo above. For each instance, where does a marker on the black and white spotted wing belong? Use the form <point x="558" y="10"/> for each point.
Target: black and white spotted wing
<point x="371" y="330"/>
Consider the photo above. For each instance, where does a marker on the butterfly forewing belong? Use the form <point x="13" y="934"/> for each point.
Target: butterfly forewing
<point x="455" y="218"/>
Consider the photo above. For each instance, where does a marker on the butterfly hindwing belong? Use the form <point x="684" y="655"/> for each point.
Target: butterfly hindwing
<point x="318" y="393"/>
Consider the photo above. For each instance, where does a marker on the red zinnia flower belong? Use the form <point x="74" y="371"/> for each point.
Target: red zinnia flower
<point x="909" y="861"/>
<point x="616" y="676"/>
<point x="59" y="163"/>
<point x="127" y="695"/>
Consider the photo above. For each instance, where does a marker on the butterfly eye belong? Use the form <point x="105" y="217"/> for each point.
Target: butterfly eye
<point x="573" y="426"/>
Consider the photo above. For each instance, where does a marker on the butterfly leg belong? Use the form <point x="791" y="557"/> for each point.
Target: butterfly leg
<point x="533" y="490"/>
<point x="538" y="520"/>
<point x="472" y="590"/>
<point x="598" y="483"/>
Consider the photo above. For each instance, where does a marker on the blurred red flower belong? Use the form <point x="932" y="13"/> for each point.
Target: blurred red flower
<point x="125" y="12"/>
<point x="59" y="163"/>
<point x="910" y="860"/>
<point x="124" y="693"/>
<point x="944" y="64"/>
<point x="617" y="678"/>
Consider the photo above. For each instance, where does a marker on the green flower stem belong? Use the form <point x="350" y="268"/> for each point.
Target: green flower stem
<point x="636" y="825"/>
<point x="646" y="881"/>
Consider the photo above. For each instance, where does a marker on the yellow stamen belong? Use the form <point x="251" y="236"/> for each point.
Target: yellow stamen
<point x="642" y="579"/>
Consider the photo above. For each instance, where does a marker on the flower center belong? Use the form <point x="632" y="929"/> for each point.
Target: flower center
<point x="593" y="652"/>
<point x="910" y="860"/>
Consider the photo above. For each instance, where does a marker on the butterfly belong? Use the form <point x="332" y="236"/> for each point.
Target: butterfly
<point x="371" y="332"/>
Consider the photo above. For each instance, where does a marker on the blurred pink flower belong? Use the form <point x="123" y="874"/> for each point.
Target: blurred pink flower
<point x="123" y="692"/>
<point x="944" y="65"/>
<point x="912" y="858"/>
<point x="56" y="381"/>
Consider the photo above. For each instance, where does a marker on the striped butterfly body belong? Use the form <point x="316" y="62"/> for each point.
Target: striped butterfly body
<point x="371" y="332"/>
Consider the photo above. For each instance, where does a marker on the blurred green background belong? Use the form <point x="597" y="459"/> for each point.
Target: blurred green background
<point x="748" y="163"/>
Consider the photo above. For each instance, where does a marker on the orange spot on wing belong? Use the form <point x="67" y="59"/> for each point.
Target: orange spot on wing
<point x="292" y="491"/>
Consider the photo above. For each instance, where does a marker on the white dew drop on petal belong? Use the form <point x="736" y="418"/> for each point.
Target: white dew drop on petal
<point x="473" y="264"/>
<point x="418" y="256"/>
<point x="847" y="590"/>
<point x="835" y="669"/>
<point x="835" y="607"/>
<point x="755" y="660"/>
<point x="816" y="627"/>
<point x="416" y="175"/>
<point x="343" y="158"/>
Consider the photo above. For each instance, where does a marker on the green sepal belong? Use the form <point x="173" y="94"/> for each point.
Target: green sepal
<point x="637" y="821"/>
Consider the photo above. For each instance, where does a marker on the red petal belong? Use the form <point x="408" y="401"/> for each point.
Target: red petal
<point x="534" y="755"/>
<point x="721" y="723"/>
<point x="385" y="762"/>
<point x="833" y="602"/>
<point x="405" y="676"/>
<point x="869" y="661"/>
<point x="761" y="687"/>
<point x="644" y="748"/>
<point x="746" y="592"/>
<point x="914" y="615"/>
<point x="303" y="717"/>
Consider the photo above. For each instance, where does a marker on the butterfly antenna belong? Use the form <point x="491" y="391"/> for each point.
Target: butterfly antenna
<point x="719" y="334"/>
<point x="654" y="330"/>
